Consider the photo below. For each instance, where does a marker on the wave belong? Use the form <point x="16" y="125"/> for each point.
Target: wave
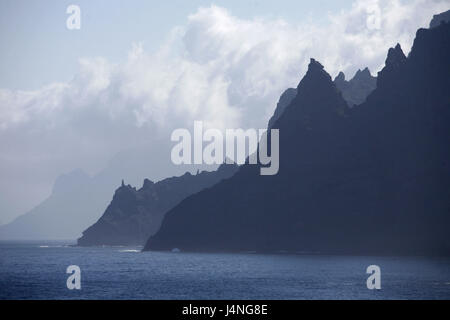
<point x="58" y="246"/>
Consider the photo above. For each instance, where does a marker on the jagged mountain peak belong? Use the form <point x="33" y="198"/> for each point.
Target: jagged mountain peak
<point x="316" y="69"/>
<point x="313" y="63"/>
<point x="340" y="77"/>
<point x="315" y="76"/>
<point x="395" y="59"/>
<point x="362" y="74"/>
<point x="395" y="56"/>
<point x="316" y="105"/>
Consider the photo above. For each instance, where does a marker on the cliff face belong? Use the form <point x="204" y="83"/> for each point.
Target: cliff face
<point x="133" y="215"/>
<point x="372" y="179"/>
<point x="356" y="90"/>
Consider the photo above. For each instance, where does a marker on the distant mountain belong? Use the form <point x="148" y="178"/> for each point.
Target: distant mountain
<point x="78" y="200"/>
<point x="73" y="205"/>
<point x="133" y="215"/>
<point x="366" y="180"/>
<point x="358" y="88"/>
<point x="440" y="18"/>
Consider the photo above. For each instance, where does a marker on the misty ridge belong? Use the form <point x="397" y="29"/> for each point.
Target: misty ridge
<point x="362" y="182"/>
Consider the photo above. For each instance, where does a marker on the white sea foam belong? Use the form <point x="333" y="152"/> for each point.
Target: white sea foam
<point x="57" y="246"/>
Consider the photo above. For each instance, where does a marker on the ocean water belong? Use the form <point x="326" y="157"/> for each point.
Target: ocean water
<point x="37" y="270"/>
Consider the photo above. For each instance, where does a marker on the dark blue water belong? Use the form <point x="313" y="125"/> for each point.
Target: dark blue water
<point x="37" y="270"/>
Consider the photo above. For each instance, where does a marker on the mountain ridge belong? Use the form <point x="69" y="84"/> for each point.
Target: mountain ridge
<point x="133" y="215"/>
<point x="344" y="185"/>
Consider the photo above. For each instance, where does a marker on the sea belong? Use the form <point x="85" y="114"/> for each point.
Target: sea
<point x="38" y="270"/>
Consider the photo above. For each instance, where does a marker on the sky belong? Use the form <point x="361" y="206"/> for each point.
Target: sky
<point x="39" y="49"/>
<point x="114" y="90"/>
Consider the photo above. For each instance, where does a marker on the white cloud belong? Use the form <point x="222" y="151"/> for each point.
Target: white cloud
<point x="226" y="71"/>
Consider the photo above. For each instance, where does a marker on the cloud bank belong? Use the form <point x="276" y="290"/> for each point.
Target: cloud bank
<point x="226" y="71"/>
